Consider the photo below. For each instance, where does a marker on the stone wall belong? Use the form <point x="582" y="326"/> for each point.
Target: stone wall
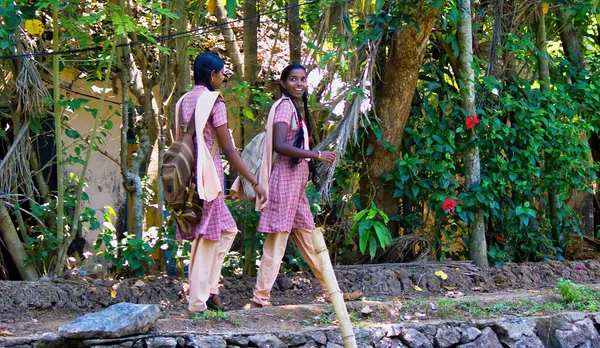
<point x="565" y="330"/>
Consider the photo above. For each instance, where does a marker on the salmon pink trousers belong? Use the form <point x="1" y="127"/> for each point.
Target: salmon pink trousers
<point x="206" y="261"/>
<point x="273" y="252"/>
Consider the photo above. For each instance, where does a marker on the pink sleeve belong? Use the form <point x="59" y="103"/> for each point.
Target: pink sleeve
<point x="284" y="112"/>
<point x="219" y="113"/>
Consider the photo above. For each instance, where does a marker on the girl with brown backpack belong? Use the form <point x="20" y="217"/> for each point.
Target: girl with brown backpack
<point x="213" y="236"/>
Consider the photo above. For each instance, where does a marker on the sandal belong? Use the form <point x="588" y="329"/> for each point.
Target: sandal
<point x="252" y="305"/>
<point x="214" y="302"/>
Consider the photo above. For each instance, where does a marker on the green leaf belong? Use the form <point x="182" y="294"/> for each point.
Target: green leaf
<point x="372" y="213"/>
<point x="415" y="191"/>
<point x="94" y="225"/>
<point x="73" y="104"/>
<point x="71" y="133"/>
<point x="378" y="132"/>
<point x="360" y="215"/>
<point x="248" y="114"/>
<point x="363" y="238"/>
<point x="384" y="216"/>
<point x="369" y="149"/>
<point x="11" y="22"/>
<point x="383" y="234"/>
<point x="231" y="6"/>
<point x="373" y="247"/>
<point x="348" y="25"/>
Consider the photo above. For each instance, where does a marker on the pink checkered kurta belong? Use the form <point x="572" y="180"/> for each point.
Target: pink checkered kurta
<point x="217" y="218"/>
<point x="288" y="206"/>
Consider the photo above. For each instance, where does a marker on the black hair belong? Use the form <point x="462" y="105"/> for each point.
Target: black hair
<point x="204" y="65"/>
<point x="299" y="141"/>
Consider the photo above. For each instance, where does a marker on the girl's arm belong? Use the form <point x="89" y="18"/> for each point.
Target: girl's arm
<point x="280" y="131"/>
<point x="235" y="160"/>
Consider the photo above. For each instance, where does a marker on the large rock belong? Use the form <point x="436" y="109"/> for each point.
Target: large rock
<point x="415" y="339"/>
<point x="317" y="336"/>
<point x="161" y="342"/>
<point x="122" y="319"/>
<point x="567" y="330"/>
<point x="205" y="342"/>
<point x="517" y="332"/>
<point x="50" y="340"/>
<point x="267" y="341"/>
<point x="469" y="334"/>
<point x="582" y="334"/>
<point x="446" y="336"/>
<point x="292" y="339"/>
<point x="387" y="342"/>
<point x="487" y="339"/>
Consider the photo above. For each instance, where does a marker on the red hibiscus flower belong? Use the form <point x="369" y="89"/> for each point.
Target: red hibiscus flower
<point x="449" y="205"/>
<point x="499" y="238"/>
<point x="471" y="122"/>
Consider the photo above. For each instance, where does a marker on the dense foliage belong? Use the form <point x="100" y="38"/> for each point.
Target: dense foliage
<point x="533" y="137"/>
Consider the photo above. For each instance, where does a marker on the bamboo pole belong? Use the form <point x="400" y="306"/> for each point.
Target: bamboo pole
<point x="334" y="295"/>
<point x="60" y="190"/>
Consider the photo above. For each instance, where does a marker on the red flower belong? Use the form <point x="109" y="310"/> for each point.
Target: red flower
<point x="499" y="238"/>
<point x="471" y="122"/>
<point x="449" y="205"/>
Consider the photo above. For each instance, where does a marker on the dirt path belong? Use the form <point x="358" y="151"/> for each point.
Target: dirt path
<point x="393" y="293"/>
<point x="301" y="317"/>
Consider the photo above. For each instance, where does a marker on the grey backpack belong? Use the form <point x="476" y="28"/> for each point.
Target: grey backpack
<point x="252" y="158"/>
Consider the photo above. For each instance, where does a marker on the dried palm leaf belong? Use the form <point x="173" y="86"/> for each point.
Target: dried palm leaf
<point x="31" y="93"/>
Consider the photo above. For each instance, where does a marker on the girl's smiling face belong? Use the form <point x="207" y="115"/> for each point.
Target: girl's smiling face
<point x="295" y="84"/>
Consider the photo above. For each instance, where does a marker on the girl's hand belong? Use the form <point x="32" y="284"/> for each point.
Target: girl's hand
<point x="327" y="156"/>
<point x="261" y="195"/>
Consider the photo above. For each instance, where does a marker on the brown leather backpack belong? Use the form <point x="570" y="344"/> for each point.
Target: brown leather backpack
<point x="179" y="179"/>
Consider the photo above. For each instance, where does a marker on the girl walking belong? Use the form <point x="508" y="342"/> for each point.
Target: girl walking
<point x="212" y="238"/>
<point x="287" y="210"/>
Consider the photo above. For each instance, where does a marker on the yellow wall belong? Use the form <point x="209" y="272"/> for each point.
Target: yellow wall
<point x="104" y="175"/>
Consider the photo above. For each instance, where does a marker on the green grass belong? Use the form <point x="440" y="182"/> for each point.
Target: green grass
<point x="214" y="316"/>
<point x="578" y="297"/>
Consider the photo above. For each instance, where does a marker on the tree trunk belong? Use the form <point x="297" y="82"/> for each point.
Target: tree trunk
<point x="477" y="244"/>
<point x="572" y="49"/>
<point x="295" y="32"/>
<point x="13" y="244"/>
<point x="183" y="81"/>
<point x="539" y="24"/>
<point x="393" y="99"/>
<point x="496" y="39"/>
<point x="569" y="39"/>
<point x="230" y="42"/>
<point x="251" y="68"/>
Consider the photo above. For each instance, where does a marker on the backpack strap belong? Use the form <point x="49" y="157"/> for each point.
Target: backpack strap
<point x="191" y="126"/>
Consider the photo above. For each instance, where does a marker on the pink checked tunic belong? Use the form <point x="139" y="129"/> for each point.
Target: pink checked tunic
<point x="217" y="218"/>
<point x="288" y="206"/>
